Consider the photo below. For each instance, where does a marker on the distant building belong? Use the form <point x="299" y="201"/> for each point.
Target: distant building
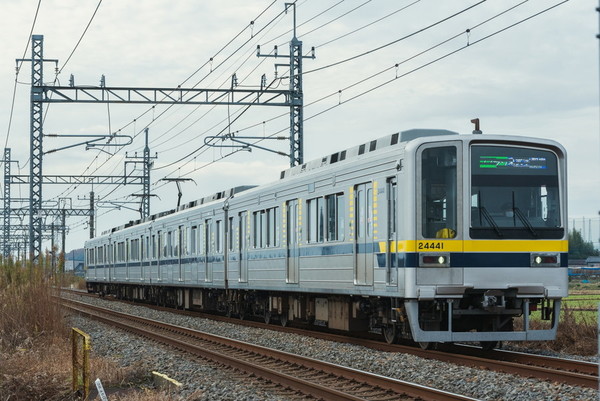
<point x="74" y="261"/>
<point x="593" y="261"/>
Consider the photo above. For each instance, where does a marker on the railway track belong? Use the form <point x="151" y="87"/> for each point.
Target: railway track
<point x="315" y="378"/>
<point x="560" y="370"/>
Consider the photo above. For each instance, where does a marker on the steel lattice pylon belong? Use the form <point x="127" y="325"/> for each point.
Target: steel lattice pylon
<point x="6" y="224"/>
<point x="35" y="147"/>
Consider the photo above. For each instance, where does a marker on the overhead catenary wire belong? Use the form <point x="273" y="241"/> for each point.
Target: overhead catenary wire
<point x="375" y="87"/>
<point x="394" y="41"/>
<point x="368" y="24"/>
<point x="469" y="44"/>
<point x="151" y="109"/>
<point x="80" y="38"/>
<point x="383" y="71"/>
<point x="18" y="69"/>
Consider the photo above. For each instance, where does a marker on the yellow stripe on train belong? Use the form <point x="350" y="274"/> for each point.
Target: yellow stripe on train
<point x="451" y="245"/>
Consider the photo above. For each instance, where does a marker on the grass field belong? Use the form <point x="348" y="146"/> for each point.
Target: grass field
<point x="583" y="301"/>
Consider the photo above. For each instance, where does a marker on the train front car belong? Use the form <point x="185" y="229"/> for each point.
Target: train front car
<point x="491" y="240"/>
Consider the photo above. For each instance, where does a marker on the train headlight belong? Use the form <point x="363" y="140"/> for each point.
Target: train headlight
<point x="545" y="259"/>
<point x="434" y="260"/>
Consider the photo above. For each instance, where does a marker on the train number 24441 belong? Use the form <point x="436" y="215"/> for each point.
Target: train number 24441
<point x="430" y="245"/>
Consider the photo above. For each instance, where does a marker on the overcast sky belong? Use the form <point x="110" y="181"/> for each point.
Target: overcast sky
<point x="538" y="78"/>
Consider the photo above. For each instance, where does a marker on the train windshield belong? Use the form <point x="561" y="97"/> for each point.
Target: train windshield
<point x="514" y="193"/>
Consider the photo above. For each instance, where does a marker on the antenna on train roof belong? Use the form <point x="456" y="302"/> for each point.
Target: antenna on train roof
<point x="476" y="131"/>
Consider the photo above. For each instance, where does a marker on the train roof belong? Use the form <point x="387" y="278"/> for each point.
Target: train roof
<point x="396" y="139"/>
<point x="376" y="144"/>
<point x="216" y="196"/>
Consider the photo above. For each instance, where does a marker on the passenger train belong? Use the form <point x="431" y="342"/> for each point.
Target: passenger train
<point x="423" y="234"/>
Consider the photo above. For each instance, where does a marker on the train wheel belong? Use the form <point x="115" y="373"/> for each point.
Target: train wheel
<point x="267" y="317"/>
<point x="428" y="345"/>
<point x="488" y="345"/>
<point x="390" y="333"/>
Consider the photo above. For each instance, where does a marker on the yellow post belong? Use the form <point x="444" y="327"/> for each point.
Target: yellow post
<point x="81" y="345"/>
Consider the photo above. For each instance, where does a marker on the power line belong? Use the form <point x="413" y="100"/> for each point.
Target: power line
<point x="80" y="38"/>
<point x="394" y="41"/>
<point x="373" y="76"/>
<point x="197" y="70"/>
<point x="440" y="58"/>
<point x="369" y="24"/>
<point x="12" y="103"/>
<point x="425" y="64"/>
<point x="207" y="63"/>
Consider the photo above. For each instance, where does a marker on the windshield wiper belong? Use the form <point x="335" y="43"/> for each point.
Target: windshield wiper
<point x="488" y="217"/>
<point x="517" y="212"/>
<point x="524" y="220"/>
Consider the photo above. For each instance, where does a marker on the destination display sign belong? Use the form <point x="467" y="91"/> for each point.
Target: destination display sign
<point x="512" y="162"/>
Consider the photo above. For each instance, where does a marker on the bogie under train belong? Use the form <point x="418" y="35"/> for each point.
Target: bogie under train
<point x="424" y="234"/>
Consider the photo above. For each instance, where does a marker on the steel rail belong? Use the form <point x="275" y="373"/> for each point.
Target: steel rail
<point x="377" y="382"/>
<point x="560" y="370"/>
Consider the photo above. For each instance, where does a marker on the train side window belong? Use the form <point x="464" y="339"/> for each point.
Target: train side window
<point x="242" y="221"/>
<point x="273" y="227"/>
<point x="133" y="249"/>
<point x="311" y="207"/>
<point x="193" y="240"/>
<point x="176" y="238"/>
<point x="147" y="248"/>
<point x="334" y="217"/>
<point x="154" y="247"/>
<point x="439" y="192"/>
<point x="341" y="217"/>
<point x="316" y="221"/>
<point x="218" y="234"/>
<point x="201" y="239"/>
<point x="121" y="252"/>
<point x="166" y="242"/>
<point x="392" y="206"/>
<point x="263" y="229"/>
<point x="256" y="229"/>
<point x="360" y="224"/>
<point x="277" y="217"/>
<point x="184" y="240"/>
<point x="230" y="234"/>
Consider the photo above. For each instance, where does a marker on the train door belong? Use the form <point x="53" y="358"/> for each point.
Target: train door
<point x="363" y="207"/>
<point x="392" y="216"/>
<point x="209" y="250"/>
<point x="292" y="239"/>
<point x="244" y="240"/>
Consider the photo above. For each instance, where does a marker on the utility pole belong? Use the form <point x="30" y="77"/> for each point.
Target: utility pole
<point x="296" y="95"/>
<point x="35" y="145"/>
<point x="146" y="161"/>
<point x="6" y="248"/>
<point x="40" y="93"/>
<point x="92" y="227"/>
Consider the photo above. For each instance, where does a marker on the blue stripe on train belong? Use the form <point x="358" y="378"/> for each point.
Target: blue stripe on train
<point x="406" y="259"/>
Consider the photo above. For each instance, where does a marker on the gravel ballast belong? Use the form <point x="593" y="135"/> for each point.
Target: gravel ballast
<point x="203" y="381"/>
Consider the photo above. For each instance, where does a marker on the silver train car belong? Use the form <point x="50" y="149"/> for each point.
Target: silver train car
<point x="424" y="234"/>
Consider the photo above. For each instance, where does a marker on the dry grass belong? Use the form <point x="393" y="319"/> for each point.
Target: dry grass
<point x="576" y="334"/>
<point x="35" y="353"/>
<point x="41" y="372"/>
